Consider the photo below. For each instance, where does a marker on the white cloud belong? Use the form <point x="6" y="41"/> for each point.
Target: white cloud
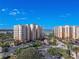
<point x="14" y="12"/>
<point x="3" y="10"/>
<point x="65" y="15"/>
<point x="23" y="18"/>
<point x="17" y="11"/>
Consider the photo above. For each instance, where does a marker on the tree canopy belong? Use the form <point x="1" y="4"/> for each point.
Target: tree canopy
<point x="28" y="53"/>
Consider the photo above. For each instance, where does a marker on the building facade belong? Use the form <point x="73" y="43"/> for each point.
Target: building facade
<point x="77" y="32"/>
<point x="28" y="32"/>
<point x="67" y="32"/>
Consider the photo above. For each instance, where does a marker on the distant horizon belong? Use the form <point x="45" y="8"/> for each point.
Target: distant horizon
<point x="50" y="28"/>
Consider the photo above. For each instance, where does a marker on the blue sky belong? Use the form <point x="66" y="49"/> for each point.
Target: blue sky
<point x="47" y="13"/>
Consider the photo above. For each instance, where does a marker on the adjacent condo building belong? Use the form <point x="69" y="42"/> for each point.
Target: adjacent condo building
<point x="66" y="32"/>
<point x="28" y="32"/>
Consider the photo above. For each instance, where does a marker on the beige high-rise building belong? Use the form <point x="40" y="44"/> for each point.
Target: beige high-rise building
<point x="28" y="32"/>
<point x="16" y="32"/>
<point x="77" y="32"/>
<point x="28" y="38"/>
<point x="20" y="33"/>
<point x="67" y="32"/>
<point x="73" y="32"/>
<point x="33" y="32"/>
<point x="60" y="31"/>
<point x="38" y="32"/>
